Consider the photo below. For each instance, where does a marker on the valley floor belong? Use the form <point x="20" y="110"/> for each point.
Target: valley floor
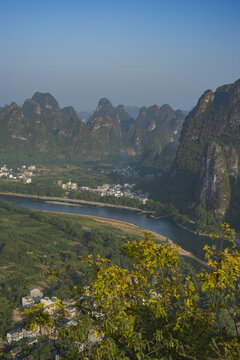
<point x="122" y="225"/>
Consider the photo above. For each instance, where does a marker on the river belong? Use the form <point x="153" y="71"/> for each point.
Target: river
<point x="185" y="239"/>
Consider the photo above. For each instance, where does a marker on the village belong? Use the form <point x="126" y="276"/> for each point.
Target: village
<point x="16" y="338"/>
<point x="67" y="314"/>
<point x="123" y="171"/>
<point x="116" y="190"/>
<point x="23" y="173"/>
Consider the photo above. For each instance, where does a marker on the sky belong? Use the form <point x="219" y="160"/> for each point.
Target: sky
<point x="134" y="52"/>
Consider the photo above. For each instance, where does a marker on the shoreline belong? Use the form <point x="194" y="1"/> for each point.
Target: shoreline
<point x="192" y="231"/>
<point x="73" y="202"/>
<point x="113" y="222"/>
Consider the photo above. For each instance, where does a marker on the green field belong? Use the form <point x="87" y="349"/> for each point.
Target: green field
<point x="32" y="243"/>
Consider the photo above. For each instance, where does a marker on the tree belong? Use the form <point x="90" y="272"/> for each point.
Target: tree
<point x="153" y="311"/>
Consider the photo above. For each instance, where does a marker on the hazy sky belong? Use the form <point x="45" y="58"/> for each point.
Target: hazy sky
<point x="137" y="52"/>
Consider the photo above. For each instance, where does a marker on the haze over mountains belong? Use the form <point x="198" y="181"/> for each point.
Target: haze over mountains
<point x="133" y="111"/>
<point x="201" y="166"/>
<point x="40" y="128"/>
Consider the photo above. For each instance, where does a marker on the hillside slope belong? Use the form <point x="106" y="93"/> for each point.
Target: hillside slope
<point x="205" y="173"/>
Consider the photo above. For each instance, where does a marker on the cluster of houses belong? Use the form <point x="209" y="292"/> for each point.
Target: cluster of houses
<point x="69" y="315"/>
<point x="125" y="171"/>
<point x="50" y="305"/>
<point x="67" y="185"/>
<point x="116" y="190"/>
<point x="23" y="173"/>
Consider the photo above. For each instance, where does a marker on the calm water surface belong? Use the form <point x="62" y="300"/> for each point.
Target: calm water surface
<point x="165" y="227"/>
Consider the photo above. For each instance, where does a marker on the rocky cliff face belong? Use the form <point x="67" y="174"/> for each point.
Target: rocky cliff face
<point x="209" y="148"/>
<point x="214" y="180"/>
<point x="154" y="129"/>
<point x="44" y="108"/>
<point x="111" y="131"/>
<point x="15" y="122"/>
<point x="144" y="138"/>
<point x="44" y="127"/>
<point x="79" y="139"/>
<point x="105" y="122"/>
<point x="108" y="123"/>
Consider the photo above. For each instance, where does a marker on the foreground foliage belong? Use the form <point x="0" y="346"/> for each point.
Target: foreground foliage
<point x="154" y="311"/>
<point x="33" y="242"/>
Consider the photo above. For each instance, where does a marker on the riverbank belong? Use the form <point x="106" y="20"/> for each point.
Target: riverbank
<point x="192" y="231"/>
<point x="128" y="226"/>
<point x="72" y="202"/>
<point x="132" y="218"/>
<point x="77" y="202"/>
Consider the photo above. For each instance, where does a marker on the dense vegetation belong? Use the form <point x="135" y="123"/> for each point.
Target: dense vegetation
<point x="37" y="187"/>
<point x="154" y="310"/>
<point x="197" y="318"/>
<point x="33" y="242"/>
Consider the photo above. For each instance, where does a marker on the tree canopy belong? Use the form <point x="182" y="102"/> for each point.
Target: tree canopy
<point x="153" y="310"/>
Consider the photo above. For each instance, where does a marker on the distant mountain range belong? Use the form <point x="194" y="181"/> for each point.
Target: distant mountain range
<point x="201" y="165"/>
<point x="41" y="129"/>
<point x="133" y="111"/>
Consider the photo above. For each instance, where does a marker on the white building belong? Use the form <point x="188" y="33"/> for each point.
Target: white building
<point x="49" y="304"/>
<point x="19" y="334"/>
<point x="36" y="293"/>
<point x="84" y="188"/>
<point x="71" y="323"/>
<point x="14" y="335"/>
<point x="29" y="334"/>
<point x="27" y="301"/>
<point x="28" y="173"/>
<point x="73" y="186"/>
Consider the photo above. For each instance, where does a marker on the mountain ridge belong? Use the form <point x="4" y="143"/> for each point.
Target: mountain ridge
<point x="40" y="126"/>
